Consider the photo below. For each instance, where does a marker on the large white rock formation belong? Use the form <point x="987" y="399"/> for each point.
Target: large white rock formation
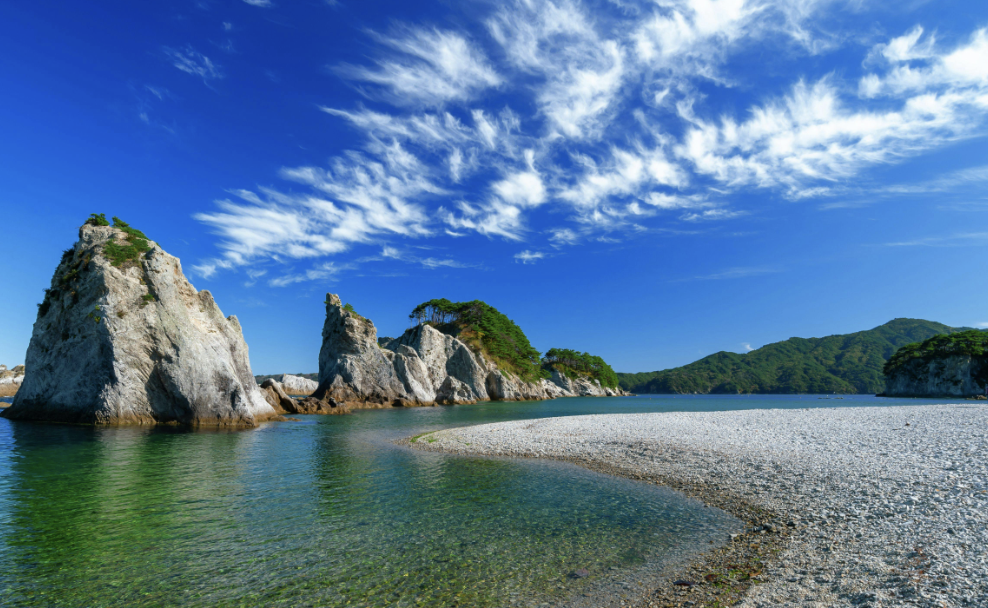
<point x="422" y="367"/>
<point x="134" y="343"/>
<point x="352" y="367"/>
<point x="10" y="381"/>
<point x="953" y="376"/>
<point x="12" y="377"/>
<point x="297" y="385"/>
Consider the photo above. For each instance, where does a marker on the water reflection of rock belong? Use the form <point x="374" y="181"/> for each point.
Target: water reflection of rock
<point x="125" y="510"/>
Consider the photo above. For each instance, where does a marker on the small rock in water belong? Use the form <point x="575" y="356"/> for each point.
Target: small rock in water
<point x="581" y="573"/>
<point x="684" y="583"/>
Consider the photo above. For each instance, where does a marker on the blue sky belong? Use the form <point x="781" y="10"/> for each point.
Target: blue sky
<point x="650" y="181"/>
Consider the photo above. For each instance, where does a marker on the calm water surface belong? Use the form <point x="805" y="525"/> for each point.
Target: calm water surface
<point x="329" y="512"/>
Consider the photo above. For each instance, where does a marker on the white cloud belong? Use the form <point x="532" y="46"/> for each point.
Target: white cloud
<point x="393" y="253"/>
<point x="193" y="62"/>
<point x="964" y="177"/>
<point x="963" y="70"/>
<point x="441" y="263"/>
<point x="663" y="200"/>
<point x="582" y="72"/>
<point x="906" y="47"/>
<point x="608" y="127"/>
<point x="158" y="92"/>
<point x="563" y="236"/>
<point x="967" y="239"/>
<point x="712" y="214"/>
<point x="430" y="67"/>
<point x="679" y="35"/>
<point x="812" y="135"/>
<point x="983" y="324"/>
<point x="427" y="129"/>
<point x="254" y="274"/>
<point x="529" y="257"/>
<point x="737" y="273"/>
<point x="260" y="3"/>
<point x="747" y="347"/>
<point x="625" y="173"/>
<point x="358" y="200"/>
<point x="494" y="218"/>
<point x="521" y="189"/>
<point x="327" y="271"/>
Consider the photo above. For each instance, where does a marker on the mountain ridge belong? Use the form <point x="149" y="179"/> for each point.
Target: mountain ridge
<point x="841" y="363"/>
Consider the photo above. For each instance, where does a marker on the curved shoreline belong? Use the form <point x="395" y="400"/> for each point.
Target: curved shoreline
<point x="868" y="506"/>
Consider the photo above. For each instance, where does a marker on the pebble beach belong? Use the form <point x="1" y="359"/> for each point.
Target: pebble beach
<point x="869" y="506"/>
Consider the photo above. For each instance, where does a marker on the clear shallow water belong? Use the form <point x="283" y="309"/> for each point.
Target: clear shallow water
<point x="329" y="512"/>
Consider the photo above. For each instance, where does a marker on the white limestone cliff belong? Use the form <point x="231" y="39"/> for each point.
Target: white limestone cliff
<point x="953" y="376"/>
<point x="424" y="366"/>
<point x="134" y="343"/>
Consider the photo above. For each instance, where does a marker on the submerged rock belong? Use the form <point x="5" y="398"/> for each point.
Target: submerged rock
<point x="123" y="337"/>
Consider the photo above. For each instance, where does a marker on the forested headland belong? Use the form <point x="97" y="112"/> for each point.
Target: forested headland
<point x="490" y="332"/>
<point x="845" y="364"/>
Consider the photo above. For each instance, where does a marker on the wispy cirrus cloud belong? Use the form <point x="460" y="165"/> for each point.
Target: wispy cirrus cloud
<point x="193" y="62"/>
<point x="915" y="65"/>
<point x="529" y="257"/>
<point x="965" y="239"/>
<point x="427" y="67"/>
<point x="740" y="272"/>
<point x="972" y="176"/>
<point x="326" y="271"/>
<point x="356" y="200"/>
<point x="592" y="120"/>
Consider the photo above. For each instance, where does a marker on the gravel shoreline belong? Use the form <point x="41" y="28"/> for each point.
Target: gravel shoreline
<point x="876" y="506"/>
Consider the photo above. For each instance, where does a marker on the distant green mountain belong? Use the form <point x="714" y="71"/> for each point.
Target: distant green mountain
<point x="850" y="363"/>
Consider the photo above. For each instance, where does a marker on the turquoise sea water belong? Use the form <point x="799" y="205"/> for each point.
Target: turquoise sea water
<point x="329" y="512"/>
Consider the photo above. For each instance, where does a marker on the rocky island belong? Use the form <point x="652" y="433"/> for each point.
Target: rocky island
<point x="122" y="337"/>
<point x="954" y="365"/>
<point x="455" y="353"/>
<point x="10" y="380"/>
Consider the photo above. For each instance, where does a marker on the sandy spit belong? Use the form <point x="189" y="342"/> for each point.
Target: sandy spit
<point x="874" y="506"/>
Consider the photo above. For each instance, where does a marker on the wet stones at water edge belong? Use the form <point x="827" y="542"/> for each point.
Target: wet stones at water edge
<point x="122" y="337"/>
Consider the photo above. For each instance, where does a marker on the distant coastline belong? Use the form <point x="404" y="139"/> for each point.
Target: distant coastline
<point x="843" y="364"/>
